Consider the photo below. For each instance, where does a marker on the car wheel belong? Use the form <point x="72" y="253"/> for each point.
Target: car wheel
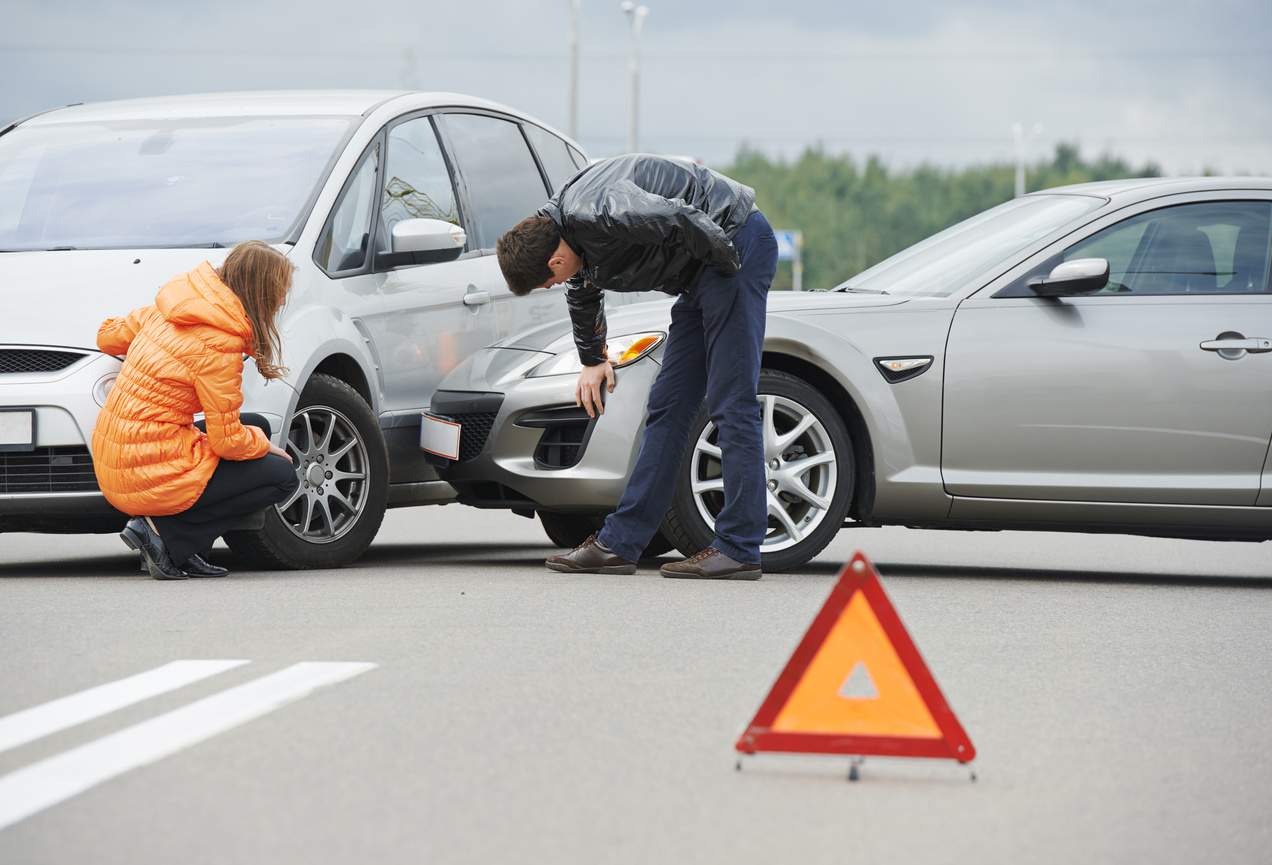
<point x="809" y="467"/>
<point x="570" y="530"/>
<point x="342" y="466"/>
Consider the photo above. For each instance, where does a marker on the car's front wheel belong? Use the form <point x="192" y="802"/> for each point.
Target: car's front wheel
<point x="342" y="466"/>
<point x="808" y="467"/>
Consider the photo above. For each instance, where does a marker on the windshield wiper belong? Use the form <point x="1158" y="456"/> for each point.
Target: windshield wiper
<point x="855" y="290"/>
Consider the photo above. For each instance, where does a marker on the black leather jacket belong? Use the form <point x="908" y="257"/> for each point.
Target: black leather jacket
<point x="643" y="223"/>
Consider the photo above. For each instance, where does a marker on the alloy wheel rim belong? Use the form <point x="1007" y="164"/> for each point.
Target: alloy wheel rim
<point x="331" y="465"/>
<point x="801" y="472"/>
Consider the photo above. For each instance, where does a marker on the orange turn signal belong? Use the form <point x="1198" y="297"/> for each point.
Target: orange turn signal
<point x="636" y="349"/>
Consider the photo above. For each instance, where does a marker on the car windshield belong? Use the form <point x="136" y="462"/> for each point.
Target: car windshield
<point x="943" y="263"/>
<point x="161" y="183"/>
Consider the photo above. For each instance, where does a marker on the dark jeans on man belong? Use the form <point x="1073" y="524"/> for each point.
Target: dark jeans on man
<point x="237" y="488"/>
<point x="713" y="350"/>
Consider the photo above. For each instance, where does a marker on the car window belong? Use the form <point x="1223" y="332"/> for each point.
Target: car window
<point x="166" y="182"/>
<point x="580" y="161"/>
<point x="554" y="155"/>
<point x="417" y="184"/>
<point x="1213" y="247"/>
<point x="503" y="183"/>
<point x="343" y="245"/>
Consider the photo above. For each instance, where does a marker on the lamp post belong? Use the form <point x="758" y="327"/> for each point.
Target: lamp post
<point x="636" y="18"/>
<point x="1018" y="134"/>
<point x="574" y="68"/>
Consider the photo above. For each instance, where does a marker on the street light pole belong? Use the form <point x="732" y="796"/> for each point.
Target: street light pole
<point x="1018" y="134"/>
<point x="574" y="68"/>
<point x="636" y="18"/>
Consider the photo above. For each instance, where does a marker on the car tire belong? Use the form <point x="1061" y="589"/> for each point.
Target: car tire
<point x="282" y="544"/>
<point x="688" y="528"/>
<point x="569" y="530"/>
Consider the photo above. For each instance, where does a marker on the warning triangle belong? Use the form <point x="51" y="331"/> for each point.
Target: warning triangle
<point x="856" y="684"/>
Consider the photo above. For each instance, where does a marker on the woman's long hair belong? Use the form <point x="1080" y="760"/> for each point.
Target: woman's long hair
<point x="260" y="276"/>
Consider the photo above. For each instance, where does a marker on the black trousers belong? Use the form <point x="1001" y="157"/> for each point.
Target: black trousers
<point x="237" y="488"/>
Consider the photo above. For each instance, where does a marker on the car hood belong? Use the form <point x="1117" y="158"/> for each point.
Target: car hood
<point x="60" y="298"/>
<point x="656" y="315"/>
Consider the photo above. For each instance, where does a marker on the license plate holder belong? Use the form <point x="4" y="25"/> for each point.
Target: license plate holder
<point x="17" y="430"/>
<point x="440" y="435"/>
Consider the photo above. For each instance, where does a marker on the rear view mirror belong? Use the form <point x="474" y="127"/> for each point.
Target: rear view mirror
<point x="423" y="241"/>
<point x="1079" y="276"/>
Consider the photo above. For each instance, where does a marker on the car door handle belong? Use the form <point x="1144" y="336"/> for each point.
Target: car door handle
<point x="476" y="298"/>
<point x="1227" y="343"/>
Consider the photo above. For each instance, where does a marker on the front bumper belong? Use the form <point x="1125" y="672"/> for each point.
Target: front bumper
<point x="53" y="487"/>
<point x="526" y="446"/>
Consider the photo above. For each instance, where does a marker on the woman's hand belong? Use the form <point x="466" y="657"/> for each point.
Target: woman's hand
<point x="275" y="449"/>
<point x="587" y="393"/>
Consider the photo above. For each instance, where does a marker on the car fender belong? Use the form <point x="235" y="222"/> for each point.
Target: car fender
<point x="903" y="419"/>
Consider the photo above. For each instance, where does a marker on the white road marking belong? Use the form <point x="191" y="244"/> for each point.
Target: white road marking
<point x="56" y="715"/>
<point x="48" y="782"/>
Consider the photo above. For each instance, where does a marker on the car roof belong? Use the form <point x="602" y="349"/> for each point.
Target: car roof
<point x="259" y="103"/>
<point x="1147" y="187"/>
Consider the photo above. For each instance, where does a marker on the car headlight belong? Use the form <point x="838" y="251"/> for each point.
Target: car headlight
<point x="622" y="350"/>
<point x="102" y="389"/>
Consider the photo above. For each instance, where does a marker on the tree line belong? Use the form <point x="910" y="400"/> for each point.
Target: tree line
<point x="854" y="214"/>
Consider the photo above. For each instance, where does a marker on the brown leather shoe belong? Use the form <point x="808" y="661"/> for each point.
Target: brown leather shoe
<point x="589" y="558"/>
<point x="711" y="564"/>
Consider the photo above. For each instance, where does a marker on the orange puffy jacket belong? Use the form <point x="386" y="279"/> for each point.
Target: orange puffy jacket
<point x="185" y="355"/>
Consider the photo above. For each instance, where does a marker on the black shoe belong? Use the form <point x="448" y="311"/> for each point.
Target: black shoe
<point x="136" y="524"/>
<point x="139" y="536"/>
<point x="197" y="566"/>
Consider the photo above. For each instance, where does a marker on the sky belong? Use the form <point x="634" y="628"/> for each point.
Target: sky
<point x="1184" y="84"/>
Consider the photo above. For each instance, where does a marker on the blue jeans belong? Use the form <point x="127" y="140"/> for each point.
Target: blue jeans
<point x="713" y="350"/>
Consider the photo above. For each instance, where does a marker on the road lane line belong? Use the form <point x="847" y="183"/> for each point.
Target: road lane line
<point x="48" y="782"/>
<point x="56" y="715"/>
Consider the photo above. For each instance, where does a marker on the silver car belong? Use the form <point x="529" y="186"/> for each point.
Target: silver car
<point x="1093" y="358"/>
<point x="388" y="203"/>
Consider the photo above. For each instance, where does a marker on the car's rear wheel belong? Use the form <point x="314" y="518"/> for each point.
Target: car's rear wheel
<point x="570" y="530"/>
<point x="809" y="469"/>
<point x="342" y="466"/>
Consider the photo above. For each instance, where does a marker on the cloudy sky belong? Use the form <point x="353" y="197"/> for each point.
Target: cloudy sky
<point x="1183" y="83"/>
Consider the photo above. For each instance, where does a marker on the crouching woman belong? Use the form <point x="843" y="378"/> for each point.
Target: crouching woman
<point x="184" y="355"/>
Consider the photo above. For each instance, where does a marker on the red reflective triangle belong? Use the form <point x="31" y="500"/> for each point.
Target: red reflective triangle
<point x="856" y="684"/>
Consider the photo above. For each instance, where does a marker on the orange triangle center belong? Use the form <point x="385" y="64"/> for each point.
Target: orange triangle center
<point x="877" y="698"/>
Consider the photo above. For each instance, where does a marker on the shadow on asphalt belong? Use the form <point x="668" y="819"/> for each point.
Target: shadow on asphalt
<point x="976" y="572"/>
<point x="125" y="565"/>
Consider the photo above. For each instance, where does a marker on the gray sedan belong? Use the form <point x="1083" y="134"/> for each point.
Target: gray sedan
<point x="1094" y="358"/>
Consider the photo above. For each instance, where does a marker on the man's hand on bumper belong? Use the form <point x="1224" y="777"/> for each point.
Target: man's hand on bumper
<point x="587" y="393"/>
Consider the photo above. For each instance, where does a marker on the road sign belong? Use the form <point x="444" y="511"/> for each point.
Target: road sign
<point x="790" y="247"/>
<point x="787" y="245"/>
<point x="857" y="685"/>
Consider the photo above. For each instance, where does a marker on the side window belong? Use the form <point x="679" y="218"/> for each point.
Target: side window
<point x="554" y="155"/>
<point x="416" y="182"/>
<point x="503" y="183"/>
<point x="1215" y="247"/>
<point x="343" y="245"/>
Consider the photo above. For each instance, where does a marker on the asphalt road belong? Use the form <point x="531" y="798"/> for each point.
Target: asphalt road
<point x="1118" y="691"/>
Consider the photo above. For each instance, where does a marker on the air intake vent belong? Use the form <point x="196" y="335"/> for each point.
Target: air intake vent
<point x="47" y="470"/>
<point x="20" y="360"/>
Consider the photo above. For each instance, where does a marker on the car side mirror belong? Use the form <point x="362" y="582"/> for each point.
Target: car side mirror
<point x="1079" y="276"/>
<point x="423" y="241"/>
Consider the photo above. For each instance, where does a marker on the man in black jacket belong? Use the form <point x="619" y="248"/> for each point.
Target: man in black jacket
<point x="641" y="223"/>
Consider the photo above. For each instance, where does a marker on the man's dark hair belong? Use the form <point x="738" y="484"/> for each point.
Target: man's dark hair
<point x="524" y="251"/>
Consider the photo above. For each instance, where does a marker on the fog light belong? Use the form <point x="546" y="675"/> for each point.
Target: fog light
<point x="102" y="389"/>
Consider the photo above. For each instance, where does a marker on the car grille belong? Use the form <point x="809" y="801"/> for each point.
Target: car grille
<point x="19" y="360"/>
<point x="47" y="470"/>
<point x="475" y="411"/>
<point x="473" y="431"/>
